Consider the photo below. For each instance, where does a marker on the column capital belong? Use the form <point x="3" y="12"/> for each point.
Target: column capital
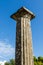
<point x="21" y="13"/>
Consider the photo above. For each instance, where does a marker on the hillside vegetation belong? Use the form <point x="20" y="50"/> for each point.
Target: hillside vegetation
<point x="37" y="61"/>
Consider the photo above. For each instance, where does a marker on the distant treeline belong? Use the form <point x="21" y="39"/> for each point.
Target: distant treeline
<point x="37" y="61"/>
<point x="11" y="62"/>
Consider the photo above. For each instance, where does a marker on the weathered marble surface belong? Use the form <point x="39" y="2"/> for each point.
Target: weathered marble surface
<point x="24" y="52"/>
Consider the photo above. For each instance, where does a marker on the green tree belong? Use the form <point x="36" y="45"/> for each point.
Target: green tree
<point x="40" y="59"/>
<point x="12" y="62"/>
<point x="7" y="63"/>
<point x="35" y="63"/>
<point x="35" y="59"/>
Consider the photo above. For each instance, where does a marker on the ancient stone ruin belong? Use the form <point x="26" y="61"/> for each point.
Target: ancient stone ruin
<point x="24" y="52"/>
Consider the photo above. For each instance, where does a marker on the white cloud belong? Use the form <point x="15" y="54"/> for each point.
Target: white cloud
<point x="6" y="51"/>
<point x="2" y="62"/>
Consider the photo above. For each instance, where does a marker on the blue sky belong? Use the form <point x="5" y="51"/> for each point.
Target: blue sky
<point x="8" y="27"/>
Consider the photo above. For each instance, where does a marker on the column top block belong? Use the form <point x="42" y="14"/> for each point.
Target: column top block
<point x="21" y="12"/>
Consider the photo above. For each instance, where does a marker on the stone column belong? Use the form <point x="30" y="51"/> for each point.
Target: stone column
<point x="24" y="53"/>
